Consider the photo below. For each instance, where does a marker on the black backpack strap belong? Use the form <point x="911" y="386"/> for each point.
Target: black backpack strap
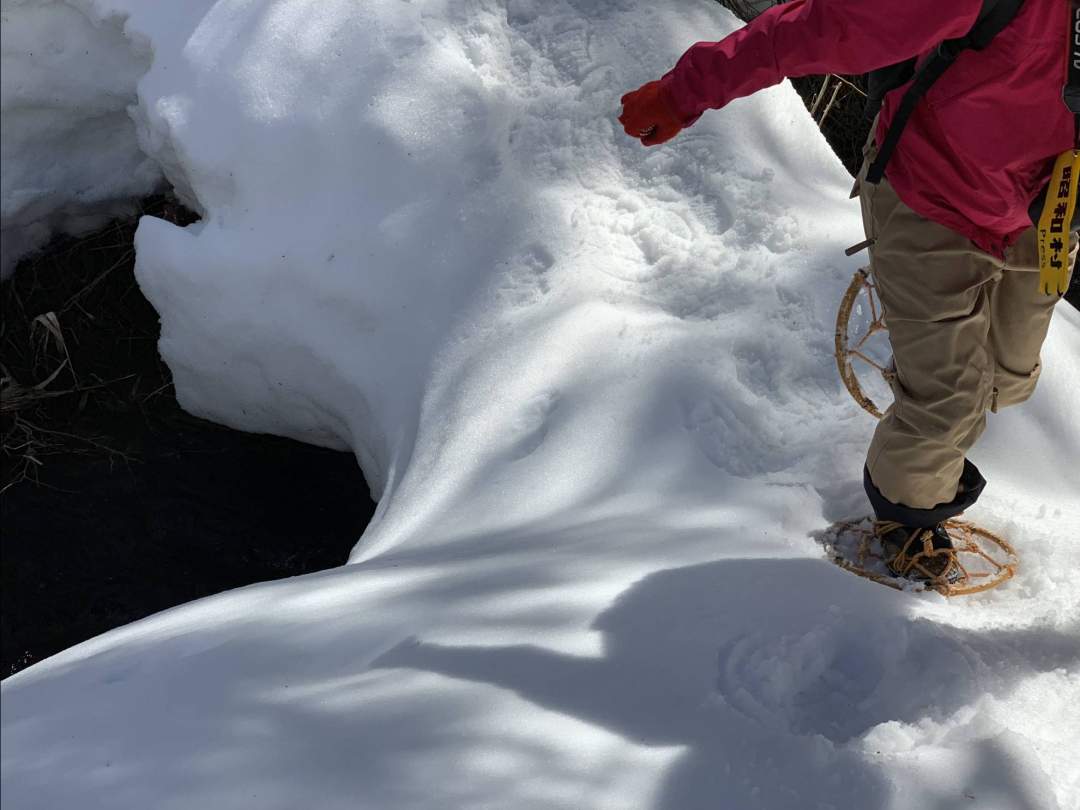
<point x="995" y="15"/>
<point x="882" y="81"/>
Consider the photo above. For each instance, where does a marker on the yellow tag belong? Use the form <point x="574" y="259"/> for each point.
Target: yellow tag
<point x="1054" y="224"/>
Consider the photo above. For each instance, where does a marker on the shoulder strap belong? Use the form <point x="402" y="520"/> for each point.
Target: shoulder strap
<point x="994" y="16"/>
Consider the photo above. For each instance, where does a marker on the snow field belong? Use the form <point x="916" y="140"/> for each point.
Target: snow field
<point x="593" y="388"/>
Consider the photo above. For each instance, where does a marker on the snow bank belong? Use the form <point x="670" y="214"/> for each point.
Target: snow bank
<point x="68" y="146"/>
<point x="593" y="387"/>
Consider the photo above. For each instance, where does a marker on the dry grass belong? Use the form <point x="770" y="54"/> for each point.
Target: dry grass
<point x="77" y="339"/>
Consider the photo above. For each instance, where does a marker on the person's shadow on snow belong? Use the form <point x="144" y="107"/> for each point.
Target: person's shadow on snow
<point x="762" y="669"/>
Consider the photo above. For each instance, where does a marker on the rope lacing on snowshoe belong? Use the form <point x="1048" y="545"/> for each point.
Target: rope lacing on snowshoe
<point x="913" y="565"/>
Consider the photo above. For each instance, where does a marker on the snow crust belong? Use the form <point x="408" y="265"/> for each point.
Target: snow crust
<point x="593" y="387"/>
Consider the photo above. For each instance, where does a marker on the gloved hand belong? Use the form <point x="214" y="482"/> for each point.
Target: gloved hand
<point x="648" y="115"/>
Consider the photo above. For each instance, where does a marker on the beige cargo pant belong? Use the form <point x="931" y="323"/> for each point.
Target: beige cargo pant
<point x="966" y="329"/>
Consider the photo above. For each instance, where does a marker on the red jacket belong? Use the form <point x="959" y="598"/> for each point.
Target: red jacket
<point x="981" y="142"/>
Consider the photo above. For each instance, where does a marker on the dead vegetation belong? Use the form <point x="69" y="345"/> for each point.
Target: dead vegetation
<point x="116" y="503"/>
<point x="77" y="340"/>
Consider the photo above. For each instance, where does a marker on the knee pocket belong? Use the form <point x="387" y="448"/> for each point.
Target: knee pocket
<point x="1012" y="388"/>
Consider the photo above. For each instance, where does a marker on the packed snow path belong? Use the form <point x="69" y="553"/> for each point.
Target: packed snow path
<point x="593" y="387"/>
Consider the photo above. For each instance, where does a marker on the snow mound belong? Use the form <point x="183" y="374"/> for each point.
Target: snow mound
<point x="69" y="146"/>
<point x="593" y="388"/>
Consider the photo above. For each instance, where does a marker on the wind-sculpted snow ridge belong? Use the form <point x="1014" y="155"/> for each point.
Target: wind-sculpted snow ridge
<point x="593" y="388"/>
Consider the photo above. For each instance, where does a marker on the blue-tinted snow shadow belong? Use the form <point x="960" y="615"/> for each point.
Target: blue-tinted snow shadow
<point x="765" y="715"/>
<point x="764" y="671"/>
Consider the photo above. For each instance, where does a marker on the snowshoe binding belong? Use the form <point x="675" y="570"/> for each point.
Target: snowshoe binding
<point x="919" y="554"/>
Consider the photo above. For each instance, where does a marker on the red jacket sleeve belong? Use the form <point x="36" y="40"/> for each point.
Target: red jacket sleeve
<point x="807" y="37"/>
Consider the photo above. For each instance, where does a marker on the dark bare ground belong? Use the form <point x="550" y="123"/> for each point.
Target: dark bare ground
<point x="116" y="503"/>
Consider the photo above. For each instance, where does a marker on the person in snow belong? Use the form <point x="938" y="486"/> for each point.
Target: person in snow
<point x="953" y="250"/>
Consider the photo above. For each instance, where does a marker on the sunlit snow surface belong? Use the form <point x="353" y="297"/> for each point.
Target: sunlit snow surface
<point x="593" y="386"/>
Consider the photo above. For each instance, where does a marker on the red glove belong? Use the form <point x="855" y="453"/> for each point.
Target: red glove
<point x="649" y="115"/>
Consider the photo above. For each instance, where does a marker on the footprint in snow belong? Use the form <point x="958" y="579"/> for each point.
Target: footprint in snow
<point x="525" y="281"/>
<point x="532" y="424"/>
<point x="844" y="675"/>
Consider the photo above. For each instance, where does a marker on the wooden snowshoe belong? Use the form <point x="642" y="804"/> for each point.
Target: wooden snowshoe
<point x="982" y="559"/>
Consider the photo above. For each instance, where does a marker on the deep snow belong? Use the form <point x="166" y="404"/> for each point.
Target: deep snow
<point x="69" y="149"/>
<point x="593" y="388"/>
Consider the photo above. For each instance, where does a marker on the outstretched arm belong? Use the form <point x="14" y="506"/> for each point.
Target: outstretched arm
<point x="798" y="38"/>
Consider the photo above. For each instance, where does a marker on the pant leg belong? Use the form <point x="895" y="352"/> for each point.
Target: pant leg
<point x="1019" y="318"/>
<point x="936" y="289"/>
